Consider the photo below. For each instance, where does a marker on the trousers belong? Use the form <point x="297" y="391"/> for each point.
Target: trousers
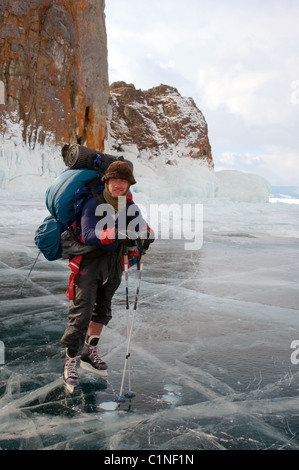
<point x="95" y="285"/>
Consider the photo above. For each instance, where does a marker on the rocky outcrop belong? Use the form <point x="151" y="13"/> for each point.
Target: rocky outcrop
<point x="54" y="69"/>
<point x="159" y="121"/>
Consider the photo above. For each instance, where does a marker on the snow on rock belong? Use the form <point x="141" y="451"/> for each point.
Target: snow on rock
<point x="159" y="122"/>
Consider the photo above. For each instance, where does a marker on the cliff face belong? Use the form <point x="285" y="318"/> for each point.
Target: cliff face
<point x="159" y="121"/>
<point x="54" y="69"/>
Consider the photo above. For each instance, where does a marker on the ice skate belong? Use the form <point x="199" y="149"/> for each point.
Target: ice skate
<point x="70" y="374"/>
<point x="91" y="361"/>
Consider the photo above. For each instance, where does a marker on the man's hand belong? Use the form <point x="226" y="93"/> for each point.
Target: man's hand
<point x="147" y="236"/>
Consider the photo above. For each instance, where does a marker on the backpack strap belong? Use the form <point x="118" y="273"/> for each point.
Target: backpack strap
<point x="97" y="190"/>
<point x="82" y="195"/>
<point x="74" y="264"/>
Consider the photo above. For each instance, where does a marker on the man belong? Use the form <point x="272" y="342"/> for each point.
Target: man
<point x="107" y="225"/>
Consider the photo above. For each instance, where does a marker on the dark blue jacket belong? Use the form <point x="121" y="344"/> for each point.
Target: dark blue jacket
<point x="89" y="222"/>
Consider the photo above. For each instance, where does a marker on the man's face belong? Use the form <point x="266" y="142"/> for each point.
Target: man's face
<point x="117" y="187"/>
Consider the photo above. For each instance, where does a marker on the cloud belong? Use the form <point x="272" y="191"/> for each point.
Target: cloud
<point x="294" y="98"/>
<point x="267" y="162"/>
<point x="237" y="60"/>
<point x="240" y="91"/>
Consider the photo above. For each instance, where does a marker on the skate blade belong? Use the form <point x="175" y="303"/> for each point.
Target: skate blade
<point x="88" y="368"/>
<point x="69" y="388"/>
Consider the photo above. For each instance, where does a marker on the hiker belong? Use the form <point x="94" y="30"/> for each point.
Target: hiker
<point x="100" y="270"/>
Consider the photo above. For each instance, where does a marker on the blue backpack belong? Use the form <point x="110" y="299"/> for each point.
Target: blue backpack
<point x="64" y="200"/>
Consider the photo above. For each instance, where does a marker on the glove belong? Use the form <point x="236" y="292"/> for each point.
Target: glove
<point x="111" y="235"/>
<point x="108" y="236"/>
<point x="147" y="236"/>
<point x="129" y="240"/>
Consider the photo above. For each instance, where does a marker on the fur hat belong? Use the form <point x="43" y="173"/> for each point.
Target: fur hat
<point x="119" y="170"/>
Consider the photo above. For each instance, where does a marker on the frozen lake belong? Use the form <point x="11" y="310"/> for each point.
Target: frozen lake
<point x="211" y="353"/>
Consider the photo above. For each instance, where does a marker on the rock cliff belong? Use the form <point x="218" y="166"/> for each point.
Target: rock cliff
<point x="54" y="69"/>
<point x="159" y="121"/>
<point x="54" y="86"/>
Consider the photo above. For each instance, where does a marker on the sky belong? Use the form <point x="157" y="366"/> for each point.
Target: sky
<point x="238" y="60"/>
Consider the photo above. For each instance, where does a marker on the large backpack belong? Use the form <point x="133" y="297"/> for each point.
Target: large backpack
<point x="61" y="202"/>
<point x="67" y="195"/>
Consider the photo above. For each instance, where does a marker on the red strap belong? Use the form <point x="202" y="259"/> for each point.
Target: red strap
<point x="74" y="264"/>
<point x="131" y="256"/>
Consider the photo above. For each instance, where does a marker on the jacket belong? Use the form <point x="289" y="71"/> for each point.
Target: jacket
<point x="94" y="221"/>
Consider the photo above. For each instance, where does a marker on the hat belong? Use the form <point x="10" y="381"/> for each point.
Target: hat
<point x="119" y="170"/>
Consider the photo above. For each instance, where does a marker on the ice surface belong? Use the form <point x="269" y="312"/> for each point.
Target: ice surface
<point x="212" y="344"/>
<point x="108" y="405"/>
<point x="211" y="349"/>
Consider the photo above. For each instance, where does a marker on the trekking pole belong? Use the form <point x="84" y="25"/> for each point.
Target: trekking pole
<point x="32" y="267"/>
<point x="130" y="394"/>
<point x="126" y="260"/>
